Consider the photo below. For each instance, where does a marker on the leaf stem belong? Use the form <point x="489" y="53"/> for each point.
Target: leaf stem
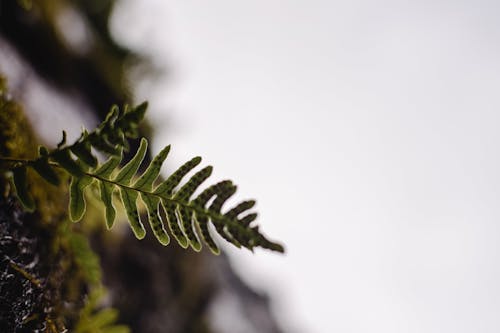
<point x="170" y="200"/>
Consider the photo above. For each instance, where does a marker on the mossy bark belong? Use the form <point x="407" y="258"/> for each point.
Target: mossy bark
<point x="41" y="280"/>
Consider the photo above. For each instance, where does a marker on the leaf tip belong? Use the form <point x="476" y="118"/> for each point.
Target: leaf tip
<point x="196" y="246"/>
<point x="183" y="242"/>
<point x="215" y="251"/>
<point x="139" y="234"/>
<point x="164" y="239"/>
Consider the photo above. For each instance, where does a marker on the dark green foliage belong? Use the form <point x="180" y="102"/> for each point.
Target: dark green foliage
<point x="43" y="168"/>
<point x="98" y="321"/>
<point x="76" y="196"/>
<point x="166" y="201"/>
<point x="19" y="180"/>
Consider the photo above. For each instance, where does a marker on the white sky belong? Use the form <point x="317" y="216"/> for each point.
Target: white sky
<point x="368" y="132"/>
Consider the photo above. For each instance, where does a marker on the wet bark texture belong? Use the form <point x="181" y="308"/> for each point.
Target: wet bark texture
<point x="22" y="245"/>
<point x="43" y="284"/>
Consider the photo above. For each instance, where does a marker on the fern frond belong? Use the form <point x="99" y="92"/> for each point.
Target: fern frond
<point x="77" y="205"/>
<point x="169" y="205"/>
<point x="187" y="219"/>
<point x="19" y="180"/>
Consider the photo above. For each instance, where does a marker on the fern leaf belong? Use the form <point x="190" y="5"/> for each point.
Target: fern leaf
<point x="43" y="151"/>
<point x="166" y="188"/>
<point x="103" y="145"/>
<point x="130" y="169"/>
<point x="186" y="217"/>
<point x="131" y="118"/>
<point x="129" y="199"/>
<point x="201" y="220"/>
<point x="63" y="140"/>
<point x="146" y="180"/>
<point x="221" y="198"/>
<point x="108" y="122"/>
<point x="104" y="317"/>
<point x="240" y="208"/>
<point x="202" y="223"/>
<point x="216" y="207"/>
<point x="20" y="183"/>
<point x="106" y="192"/>
<point x="107" y="168"/>
<point x="210" y="192"/>
<point x="265" y="243"/>
<point x="190" y="187"/>
<point x="247" y="219"/>
<point x="64" y="159"/>
<point x="173" y="223"/>
<point x="83" y="151"/>
<point x="117" y="137"/>
<point x="43" y="168"/>
<point x="77" y="203"/>
<point x="152" y="205"/>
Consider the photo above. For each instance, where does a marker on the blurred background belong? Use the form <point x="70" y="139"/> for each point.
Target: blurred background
<point x="368" y="132"/>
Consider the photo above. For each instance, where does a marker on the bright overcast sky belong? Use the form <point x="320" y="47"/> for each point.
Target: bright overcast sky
<point x="368" y="132"/>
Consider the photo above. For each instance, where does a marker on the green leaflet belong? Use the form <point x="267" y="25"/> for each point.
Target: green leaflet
<point x="247" y="219"/>
<point x="106" y="189"/>
<point x="223" y="231"/>
<point x="202" y="222"/>
<point x="166" y="188"/>
<point x="43" y="151"/>
<point x="188" y="189"/>
<point x="152" y="205"/>
<point x="19" y="180"/>
<point x="107" y="168"/>
<point x="116" y="138"/>
<point x="210" y="191"/>
<point x="110" y="119"/>
<point x="215" y="207"/>
<point x="260" y="240"/>
<point x="83" y="152"/>
<point x="98" y="322"/>
<point x="240" y="208"/>
<point x="129" y="170"/>
<point x="63" y="158"/>
<point x="77" y="198"/>
<point x="186" y="217"/>
<point x="129" y="199"/>
<point x="92" y="319"/>
<point x="130" y="119"/>
<point x="106" y="193"/>
<point x="62" y="142"/>
<point x="43" y="168"/>
<point x="173" y="224"/>
<point x="146" y="180"/>
<point x="103" y="145"/>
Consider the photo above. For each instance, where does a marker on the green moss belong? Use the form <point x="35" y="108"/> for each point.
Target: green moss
<point x="16" y="134"/>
